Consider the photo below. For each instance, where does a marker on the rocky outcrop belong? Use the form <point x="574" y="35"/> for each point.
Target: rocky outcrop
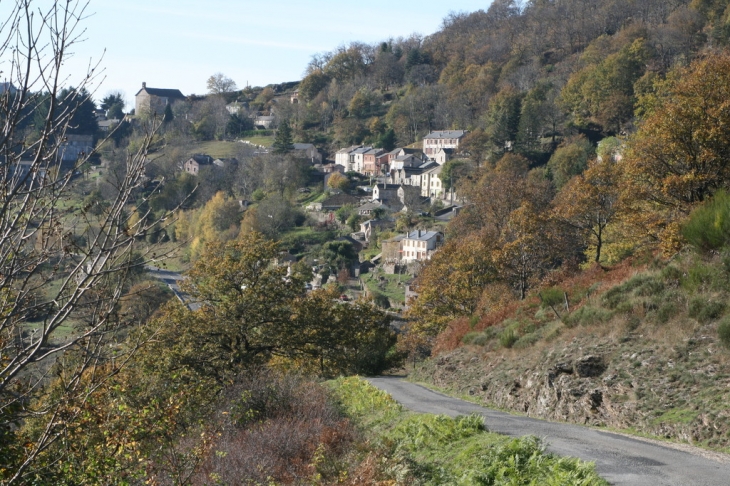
<point x="620" y="384"/>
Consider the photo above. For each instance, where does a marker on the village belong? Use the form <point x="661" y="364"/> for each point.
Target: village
<point x="384" y="185"/>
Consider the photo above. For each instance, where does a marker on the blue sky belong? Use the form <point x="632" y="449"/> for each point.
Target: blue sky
<point x="179" y="44"/>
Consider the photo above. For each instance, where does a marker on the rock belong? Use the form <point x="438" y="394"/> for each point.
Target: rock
<point x="590" y="366"/>
<point x="596" y="398"/>
<point x="564" y="368"/>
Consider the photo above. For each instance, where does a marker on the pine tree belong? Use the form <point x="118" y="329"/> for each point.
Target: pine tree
<point x="168" y="116"/>
<point x="283" y="140"/>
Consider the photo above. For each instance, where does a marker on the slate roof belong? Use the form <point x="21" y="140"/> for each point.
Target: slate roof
<point x="422" y="235"/>
<point x="163" y="93"/>
<point x="446" y="134"/>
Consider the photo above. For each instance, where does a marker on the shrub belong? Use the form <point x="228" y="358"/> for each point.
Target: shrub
<point x="551" y="296"/>
<point x="381" y="300"/>
<point x="708" y="227"/>
<point x="666" y="311"/>
<point x="705" y="310"/>
<point x="723" y="331"/>
<point x="700" y="277"/>
<point x="527" y="340"/>
<point x="470" y="337"/>
<point x="587" y="315"/>
<point x="508" y="338"/>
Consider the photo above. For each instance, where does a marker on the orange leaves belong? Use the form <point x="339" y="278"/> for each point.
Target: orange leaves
<point x="680" y="154"/>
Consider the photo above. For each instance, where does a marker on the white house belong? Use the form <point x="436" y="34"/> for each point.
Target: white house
<point x="420" y="245"/>
<point x="431" y="184"/>
<point x="344" y="157"/>
<point x="358" y="158"/>
<point x="405" y="161"/>
<point x="444" y="139"/>
<point x="443" y="155"/>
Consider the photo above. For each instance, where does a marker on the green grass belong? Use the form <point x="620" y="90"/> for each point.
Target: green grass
<point x="216" y="149"/>
<point x="299" y="238"/>
<point x="676" y="416"/>
<point x="392" y="287"/>
<point x="263" y="141"/>
<point x="437" y="450"/>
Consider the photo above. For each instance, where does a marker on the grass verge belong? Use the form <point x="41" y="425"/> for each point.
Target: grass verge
<point x="438" y="450"/>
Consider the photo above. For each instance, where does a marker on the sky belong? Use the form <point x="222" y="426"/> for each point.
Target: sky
<point x="181" y="43"/>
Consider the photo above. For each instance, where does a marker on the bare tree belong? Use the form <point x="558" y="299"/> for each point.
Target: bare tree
<point x="220" y="84"/>
<point x="62" y="269"/>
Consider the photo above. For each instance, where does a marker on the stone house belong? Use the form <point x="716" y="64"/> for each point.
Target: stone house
<point x="409" y="176"/>
<point x="193" y="164"/>
<point x="307" y="151"/>
<point x="370" y="225"/>
<point x="391" y="248"/>
<point x="435" y="141"/>
<point x="154" y="100"/>
<point x="385" y="192"/>
<point x="407" y="194"/>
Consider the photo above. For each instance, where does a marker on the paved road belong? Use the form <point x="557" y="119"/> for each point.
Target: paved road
<point x="619" y="459"/>
<point x="172" y="280"/>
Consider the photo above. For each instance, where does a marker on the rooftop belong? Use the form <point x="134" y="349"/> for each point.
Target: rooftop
<point x="422" y="235"/>
<point x="446" y="134"/>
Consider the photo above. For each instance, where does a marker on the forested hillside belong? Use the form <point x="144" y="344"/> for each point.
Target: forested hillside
<point x="592" y="182"/>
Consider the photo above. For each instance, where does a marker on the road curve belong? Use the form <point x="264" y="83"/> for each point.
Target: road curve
<point x="619" y="459"/>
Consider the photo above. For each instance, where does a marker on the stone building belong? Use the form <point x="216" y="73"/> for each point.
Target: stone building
<point x="154" y="100"/>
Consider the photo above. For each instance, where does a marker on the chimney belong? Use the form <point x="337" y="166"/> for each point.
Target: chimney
<point x="144" y="85"/>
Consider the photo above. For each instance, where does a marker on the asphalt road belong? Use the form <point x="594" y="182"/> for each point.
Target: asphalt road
<point x="619" y="459"/>
<point x="172" y="280"/>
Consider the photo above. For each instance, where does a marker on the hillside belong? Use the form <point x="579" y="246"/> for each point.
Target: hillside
<point x="639" y="350"/>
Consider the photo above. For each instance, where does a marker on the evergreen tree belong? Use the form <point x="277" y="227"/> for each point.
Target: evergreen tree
<point x="388" y="140"/>
<point x="283" y="140"/>
<point x="168" y="116"/>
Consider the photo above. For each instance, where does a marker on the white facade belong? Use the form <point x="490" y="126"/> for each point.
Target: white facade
<point x="358" y="158"/>
<point x="344" y="157"/>
<point x="420" y="245"/>
<point x="431" y="185"/>
<point x="445" y="139"/>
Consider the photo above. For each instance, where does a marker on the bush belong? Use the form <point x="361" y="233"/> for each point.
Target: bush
<point x="477" y="338"/>
<point x="551" y="296"/>
<point x="705" y="277"/>
<point x="705" y="310"/>
<point x="508" y="338"/>
<point x="666" y="311"/>
<point x="381" y="300"/>
<point x="708" y="227"/>
<point x="527" y="340"/>
<point x="587" y="315"/>
<point x="723" y="331"/>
